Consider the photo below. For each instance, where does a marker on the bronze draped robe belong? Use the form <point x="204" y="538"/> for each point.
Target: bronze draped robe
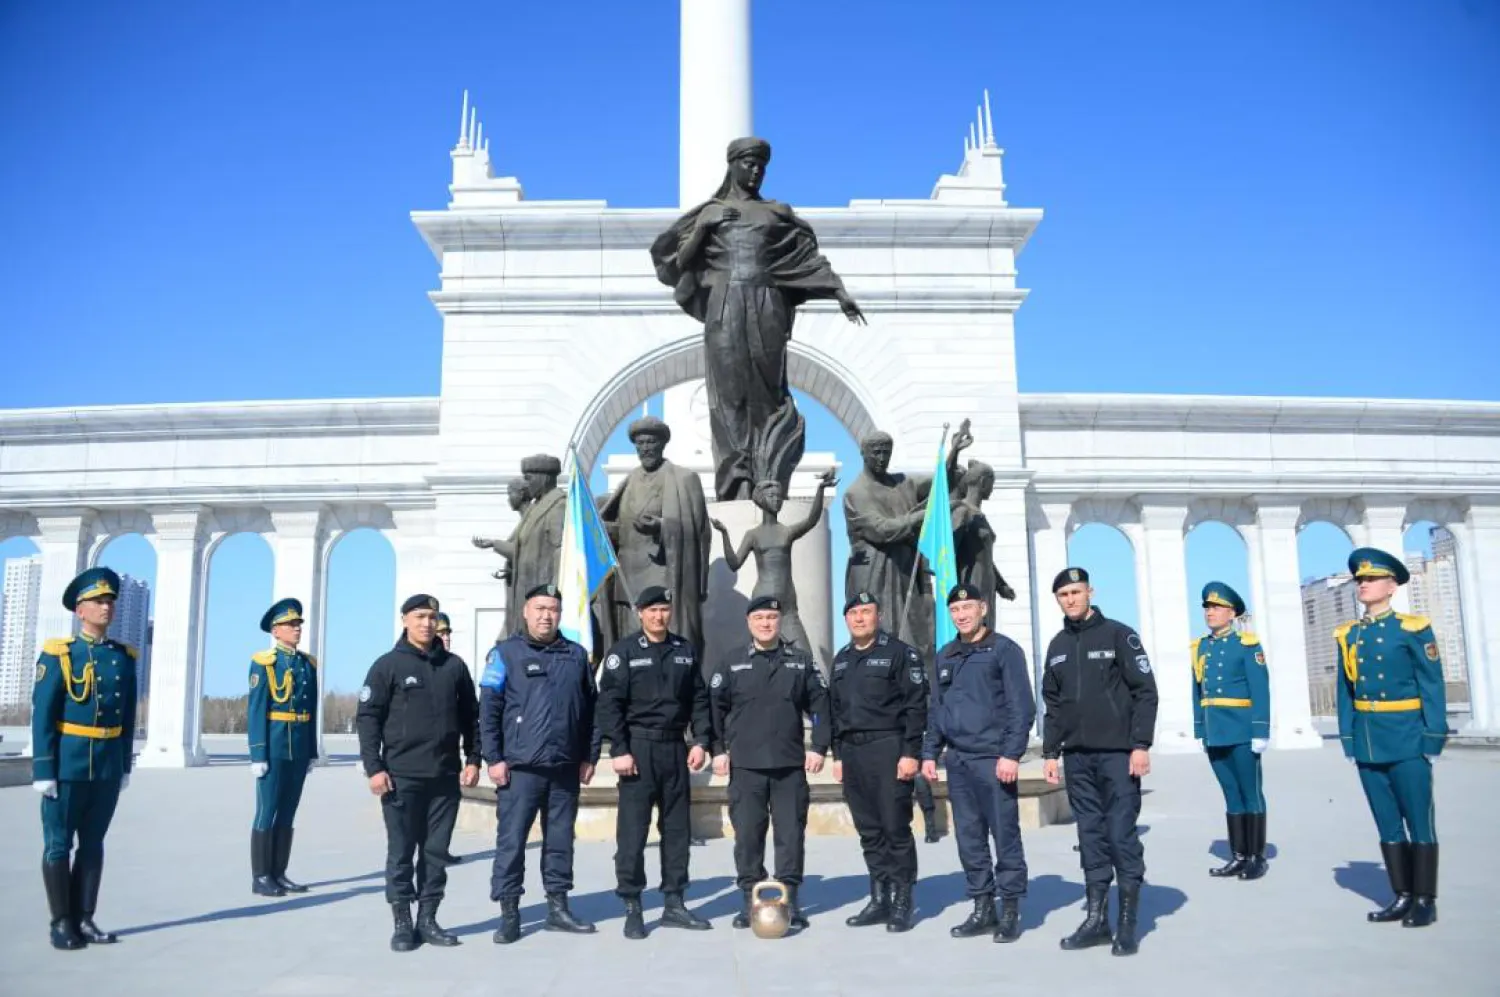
<point x="884" y="518"/>
<point x="538" y="550"/>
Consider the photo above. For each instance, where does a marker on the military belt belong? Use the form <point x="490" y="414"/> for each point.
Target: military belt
<point x="1215" y="701"/>
<point x="1387" y="705"/>
<point x="866" y="736"/>
<point x="287" y="717"/>
<point x="656" y="734"/>
<point x="97" y="733"/>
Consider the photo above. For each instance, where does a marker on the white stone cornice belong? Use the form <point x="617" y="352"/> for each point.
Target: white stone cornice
<point x="1352" y="482"/>
<point x="652" y="298"/>
<point x="1246" y="414"/>
<point x="56" y="501"/>
<point x="207" y="420"/>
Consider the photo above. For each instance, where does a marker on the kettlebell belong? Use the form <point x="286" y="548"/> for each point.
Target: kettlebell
<point x="769" y="918"/>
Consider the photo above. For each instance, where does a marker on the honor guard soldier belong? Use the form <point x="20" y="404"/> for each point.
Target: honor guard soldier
<point x="1100" y="697"/>
<point x="982" y="713"/>
<point x="1393" y="721"/>
<point x="1232" y="717"/>
<point x="650" y="688"/>
<point x="82" y="736"/>
<point x="418" y="728"/>
<point x="282" y="727"/>
<point x="444" y="631"/>
<point x="878" y="705"/>
<point x="760" y="695"/>
<point x="536" y="707"/>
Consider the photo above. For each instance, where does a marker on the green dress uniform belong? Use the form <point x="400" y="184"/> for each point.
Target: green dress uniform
<point x="1393" y="721"/>
<point x="1232" y="717"/>
<point x="82" y="731"/>
<point x="282" y="724"/>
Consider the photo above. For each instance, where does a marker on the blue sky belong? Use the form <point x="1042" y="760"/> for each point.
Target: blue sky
<point x="211" y="200"/>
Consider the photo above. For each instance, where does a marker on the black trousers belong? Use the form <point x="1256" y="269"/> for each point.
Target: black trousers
<point x="756" y="798"/>
<point x="662" y="783"/>
<point x="1106" y="802"/>
<point x="551" y="791"/>
<point x="880" y="805"/>
<point x="985" y="809"/>
<point x="419" y="818"/>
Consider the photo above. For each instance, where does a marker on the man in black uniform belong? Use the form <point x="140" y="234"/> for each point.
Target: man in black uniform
<point x="759" y="696"/>
<point x="536" y="711"/>
<point x="982" y="712"/>
<point x="649" y="689"/>
<point x="416" y="711"/>
<point x="878" y="700"/>
<point x="1100" y="698"/>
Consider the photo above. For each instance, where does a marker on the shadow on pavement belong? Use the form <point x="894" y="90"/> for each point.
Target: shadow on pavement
<point x="1156" y="902"/>
<point x="1367" y="879"/>
<point x="1045" y="895"/>
<point x="257" y="910"/>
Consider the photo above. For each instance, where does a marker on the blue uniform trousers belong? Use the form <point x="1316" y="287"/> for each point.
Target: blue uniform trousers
<point x="986" y="809"/>
<point x="83" y="809"/>
<point x="1106" y="802"/>
<point x="551" y="791"/>
<point x="1238" y="770"/>
<point x="1400" y="795"/>
<point x="277" y="794"/>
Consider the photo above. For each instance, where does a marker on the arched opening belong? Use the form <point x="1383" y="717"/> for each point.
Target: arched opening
<point x="1108" y="556"/>
<point x="357" y="628"/>
<point x="1431" y="554"/>
<point x="238" y="586"/>
<point x="22" y="571"/>
<point x="133" y="558"/>
<point x="1328" y="599"/>
<point x="1215" y="552"/>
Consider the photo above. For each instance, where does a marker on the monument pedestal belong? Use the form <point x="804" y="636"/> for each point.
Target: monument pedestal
<point x="729" y="593"/>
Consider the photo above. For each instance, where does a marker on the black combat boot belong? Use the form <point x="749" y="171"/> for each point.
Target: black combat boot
<point x="85" y="884"/>
<point x="635" y="919"/>
<point x="1424" y="873"/>
<point x="560" y="918"/>
<point x="795" y="917"/>
<point x="59" y="902"/>
<point x="404" y="938"/>
<point x="901" y="908"/>
<point x="261" y="883"/>
<point x="1130" y="901"/>
<point x="1239" y="848"/>
<point x="1397" y="855"/>
<point x="510" y="921"/>
<point x="281" y="854"/>
<point x="742" y="919"/>
<point x="1095" y="927"/>
<point x="674" y="914"/>
<point x="929" y="822"/>
<point x="877" y="910"/>
<point x="980" y="920"/>
<point x="1255" y="827"/>
<point x="1008" y="925"/>
<point x="428" y="928"/>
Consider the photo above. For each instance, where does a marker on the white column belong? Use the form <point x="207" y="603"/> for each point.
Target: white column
<point x="61" y="544"/>
<point x="1482" y="558"/>
<point x="714" y="102"/>
<point x="1164" y="602"/>
<point x="1047" y="522"/>
<point x="1279" y="621"/>
<point x="298" y="544"/>
<point x="173" y="738"/>
<point x="414" y="542"/>
<point x="1385" y="529"/>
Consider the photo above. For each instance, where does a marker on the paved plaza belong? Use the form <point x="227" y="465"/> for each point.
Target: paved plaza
<point x="177" y="889"/>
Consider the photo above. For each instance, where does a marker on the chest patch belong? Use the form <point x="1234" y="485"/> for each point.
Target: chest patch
<point x="740" y="668"/>
<point x="1102" y="655"/>
<point x="1058" y="659"/>
<point x="533" y="668"/>
<point x="682" y="659"/>
<point x="641" y="662"/>
<point x="838" y="666"/>
<point x="944" y="675"/>
<point x="795" y="664"/>
<point x="411" y="680"/>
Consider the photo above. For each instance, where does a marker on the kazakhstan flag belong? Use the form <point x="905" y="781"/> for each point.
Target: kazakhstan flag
<point x="586" y="559"/>
<point x="936" y="545"/>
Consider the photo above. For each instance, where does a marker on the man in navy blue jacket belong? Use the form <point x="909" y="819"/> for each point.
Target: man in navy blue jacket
<point x="537" y="732"/>
<point x="982" y="711"/>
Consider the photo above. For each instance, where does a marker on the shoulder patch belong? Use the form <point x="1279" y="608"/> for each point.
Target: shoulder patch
<point x="266" y="657"/>
<point x="717" y="680"/>
<point x="254" y="679"/>
<point x="1413" y="624"/>
<point x="364" y="694"/>
<point x="1248" y="639"/>
<point x="1134" y="640"/>
<point x="918" y="676"/>
<point x="1193" y="648"/>
<point x="57" y="645"/>
<point x="41" y="670"/>
<point x="1431" y="650"/>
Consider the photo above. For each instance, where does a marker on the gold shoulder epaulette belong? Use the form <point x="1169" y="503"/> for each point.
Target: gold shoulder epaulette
<point x="1248" y="639"/>
<point x="310" y="659"/>
<point x="1413" y="624"/>
<point x="1342" y="630"/>
<point x="1196" y="642"/>
<point x="134" y="654"/>
<point x="266" y="657"/>
<point x="57" y="645"/>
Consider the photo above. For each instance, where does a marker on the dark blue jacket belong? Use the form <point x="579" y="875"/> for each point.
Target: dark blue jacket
<point x="536" y="704"/>
<point x="982" y="705"/>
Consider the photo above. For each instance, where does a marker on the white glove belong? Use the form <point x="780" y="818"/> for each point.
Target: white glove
<point x="1259" y="744"/>
<point x="125" y="781"/>
<point x="47" y="787"/>
<point x="259" y="769"/>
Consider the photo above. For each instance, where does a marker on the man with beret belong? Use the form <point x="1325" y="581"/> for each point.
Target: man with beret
<point x="419" y="742"/>
<point x="650" y="688"/>
<point x="443" y="630"/>
<point x="1393" y="721"/>
<point x="1232" y="717"/>
<point x="760" y="694"/>
<point x="281" y="722"/>
<point x="82" y="734"/>
<point x="878" y="708"/>
<point x="536" y="708"/>
<point x="982" y="712"/>
<point x="1100" y="697"/>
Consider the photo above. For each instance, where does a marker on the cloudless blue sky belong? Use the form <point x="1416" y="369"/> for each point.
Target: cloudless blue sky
<point x="210" y="201"/>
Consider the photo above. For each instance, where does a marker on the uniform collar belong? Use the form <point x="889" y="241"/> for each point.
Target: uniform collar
<point x="1222" y="633"/>
<point x="1377" y="619"/>
<point x="279" y="646"/>
<point x="91" y="640"/>
<point x="1095" y="618"/>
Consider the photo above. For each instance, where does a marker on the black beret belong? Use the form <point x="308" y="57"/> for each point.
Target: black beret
<point x="861" y="599"/>
<point x="653" y="595"/>
<point x="548" y="590"/>
<point x="419" y="602"/>
<point x="763" y="602"/>
<point x="1069" y="576"/>
<point x="963" y="593"/>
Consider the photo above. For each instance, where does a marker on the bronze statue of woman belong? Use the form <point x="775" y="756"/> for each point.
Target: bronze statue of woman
<point x="741" y="265"/>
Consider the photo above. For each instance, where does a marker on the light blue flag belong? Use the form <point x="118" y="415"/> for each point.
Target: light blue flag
<point x="936" y="545"/>
<point x="586" y="559"/>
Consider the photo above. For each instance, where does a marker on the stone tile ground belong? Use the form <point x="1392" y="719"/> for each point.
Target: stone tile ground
<point x="177" y="889"/>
